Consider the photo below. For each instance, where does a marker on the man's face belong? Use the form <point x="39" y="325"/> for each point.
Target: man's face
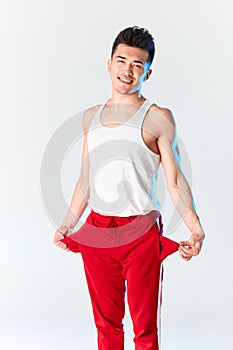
<point x="128" y="68"/>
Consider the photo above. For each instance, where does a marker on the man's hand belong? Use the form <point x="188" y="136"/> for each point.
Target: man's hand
<point x="60" y="234"/>
<point x="192" y="247"/>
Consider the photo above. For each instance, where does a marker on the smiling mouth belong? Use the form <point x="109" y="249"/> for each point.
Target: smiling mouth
<point x="125" y="80"/>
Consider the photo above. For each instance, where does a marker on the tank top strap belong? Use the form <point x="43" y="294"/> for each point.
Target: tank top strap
<point x="95" y="120"/>
<point x="139" y="117"/>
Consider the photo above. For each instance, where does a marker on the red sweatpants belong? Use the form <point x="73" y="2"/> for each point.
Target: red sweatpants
<point x="137" y="265"/>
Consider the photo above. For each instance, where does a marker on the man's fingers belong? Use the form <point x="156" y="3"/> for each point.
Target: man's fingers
<point x="186" y="243"/>
<point x="57" y="241"/>
<point x="63" y="246"/>
<point x="58" y="236"/>
<point x="189" y="250"/>
<point x="184" y="256"/>
<point x="186" y="249"/>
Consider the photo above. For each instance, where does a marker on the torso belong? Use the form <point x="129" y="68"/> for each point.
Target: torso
<point x="149" y="138"/>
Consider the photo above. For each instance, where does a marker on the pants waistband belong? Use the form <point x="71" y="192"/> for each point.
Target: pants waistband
<point x="113" y="221"/>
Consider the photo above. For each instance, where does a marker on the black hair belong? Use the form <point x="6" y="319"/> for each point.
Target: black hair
<point x="136" y="37"/>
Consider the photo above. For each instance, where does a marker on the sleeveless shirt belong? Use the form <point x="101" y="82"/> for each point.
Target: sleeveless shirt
<point x="123" y="170"/>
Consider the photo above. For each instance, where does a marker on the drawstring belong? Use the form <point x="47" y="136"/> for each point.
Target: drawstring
<point x="112" y="223"/>
<point x="160" y="223"/>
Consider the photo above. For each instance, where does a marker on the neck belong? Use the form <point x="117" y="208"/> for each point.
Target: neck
<point x="134" y="98"/>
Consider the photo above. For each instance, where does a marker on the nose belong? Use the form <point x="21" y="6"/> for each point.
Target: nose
<point x="128" y="69"/>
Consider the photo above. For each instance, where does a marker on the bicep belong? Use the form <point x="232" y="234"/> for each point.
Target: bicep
<point x="169" y="149"/>
<point x="86" y="122"/>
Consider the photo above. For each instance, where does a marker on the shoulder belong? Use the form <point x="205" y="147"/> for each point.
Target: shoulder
<point x="165" y="113"/>
<point x="163" y="121"/>
<point x="88" y="115"/>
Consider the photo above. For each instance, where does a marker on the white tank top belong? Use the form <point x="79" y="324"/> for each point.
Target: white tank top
<point x="123" y="170"/>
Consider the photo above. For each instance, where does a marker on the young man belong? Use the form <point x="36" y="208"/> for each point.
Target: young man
<point x="136" y="136"/>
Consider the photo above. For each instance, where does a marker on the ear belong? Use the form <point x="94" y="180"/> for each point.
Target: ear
<point x="148" y="73"/>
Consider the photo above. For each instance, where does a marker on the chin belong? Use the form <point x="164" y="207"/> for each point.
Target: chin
<point x="126" y="91"/>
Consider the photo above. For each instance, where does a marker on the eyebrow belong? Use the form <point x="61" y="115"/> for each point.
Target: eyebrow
<point x="136" y="61"/>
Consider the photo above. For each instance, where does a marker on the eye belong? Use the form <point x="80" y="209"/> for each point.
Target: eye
<point x="138" y="65"/>
<point x="119" y="59"/>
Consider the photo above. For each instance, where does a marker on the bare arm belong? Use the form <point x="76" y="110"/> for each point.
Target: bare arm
<point x="81" y="191"/>
<point x="178" y="186"/>
<point x="80" y="195"/>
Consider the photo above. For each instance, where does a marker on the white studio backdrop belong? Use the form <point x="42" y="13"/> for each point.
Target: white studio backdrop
<point x="53" y="66"/>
